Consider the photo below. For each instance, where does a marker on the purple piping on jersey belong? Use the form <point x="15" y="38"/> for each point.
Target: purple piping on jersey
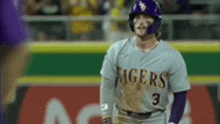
<point x="12" y="26"/>
<point x="178" y="106"/>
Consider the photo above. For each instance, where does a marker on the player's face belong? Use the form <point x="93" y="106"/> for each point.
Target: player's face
<point x="141" y="23"/>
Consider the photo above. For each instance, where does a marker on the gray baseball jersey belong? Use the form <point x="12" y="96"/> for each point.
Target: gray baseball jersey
<point x="144" y="79"/>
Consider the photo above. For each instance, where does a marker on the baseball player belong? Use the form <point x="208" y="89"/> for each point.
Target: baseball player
<point x="139" y="72"/>
<point x="14" y="53"/>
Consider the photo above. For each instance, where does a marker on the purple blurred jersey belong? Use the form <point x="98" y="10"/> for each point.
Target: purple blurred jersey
<point x="12" y="26"/>
<point x="2" y="116"/>
<point x="12" y="34"/>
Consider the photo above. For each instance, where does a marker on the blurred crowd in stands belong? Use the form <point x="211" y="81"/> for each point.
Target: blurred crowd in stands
<point x="105" y="30"/>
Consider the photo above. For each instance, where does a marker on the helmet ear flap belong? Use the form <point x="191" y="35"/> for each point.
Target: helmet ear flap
<point x="155" y="27"/>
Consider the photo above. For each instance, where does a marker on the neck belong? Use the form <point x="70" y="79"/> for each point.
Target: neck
<point x="146" y="42"/>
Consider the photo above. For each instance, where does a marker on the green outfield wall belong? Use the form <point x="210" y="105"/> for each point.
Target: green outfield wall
<point x="52" y="60"/>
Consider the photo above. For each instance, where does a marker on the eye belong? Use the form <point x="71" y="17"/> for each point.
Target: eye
<point x="137" y="17"/>
<point x="149" y="22"/>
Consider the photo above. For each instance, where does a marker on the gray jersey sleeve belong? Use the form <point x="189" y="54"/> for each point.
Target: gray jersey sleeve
<point x="178" y="78"/>
<point x="109" y="67"/>
<point x="109" y="74"/>
<point x="107" y="89"/>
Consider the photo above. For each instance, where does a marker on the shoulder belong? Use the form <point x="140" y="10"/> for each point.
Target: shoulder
<point x="118" y="45"/>
<point x="170" y="53"/>
<point x="169" y="50"/>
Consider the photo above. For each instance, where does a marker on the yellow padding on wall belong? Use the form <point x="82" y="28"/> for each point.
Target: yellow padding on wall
<point x="102" y="48"/>
<point x="195" y="80"/>
<point x="68" y="48"/>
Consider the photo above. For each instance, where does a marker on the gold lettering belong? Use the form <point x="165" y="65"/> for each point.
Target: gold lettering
<point x="144" y="74"/>
<point x="130" y="75"/>
<point x="133" y="74"/>
<point x="125" y="75"/>
<point x="153" y="79"/>
<point x="163" y="79"/>
<point x="121" y="73"/>
<point x="136" y="76"/>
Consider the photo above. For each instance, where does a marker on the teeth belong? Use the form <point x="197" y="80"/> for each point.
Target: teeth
<point x="141" y="28"/>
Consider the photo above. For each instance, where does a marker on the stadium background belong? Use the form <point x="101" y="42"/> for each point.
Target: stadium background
<point x="61" y="84"/>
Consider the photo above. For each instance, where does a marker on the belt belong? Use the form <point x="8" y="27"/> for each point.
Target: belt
<point x="138" y="115"/>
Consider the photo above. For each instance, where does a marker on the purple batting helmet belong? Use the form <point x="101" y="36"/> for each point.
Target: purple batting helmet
<point x="148" y="7"/>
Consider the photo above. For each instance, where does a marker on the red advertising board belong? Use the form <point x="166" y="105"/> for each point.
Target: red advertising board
<point x="79" y="105"/>
<point x="72" y="99"/>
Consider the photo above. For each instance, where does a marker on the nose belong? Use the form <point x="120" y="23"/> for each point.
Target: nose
<point x="142" y="19"/>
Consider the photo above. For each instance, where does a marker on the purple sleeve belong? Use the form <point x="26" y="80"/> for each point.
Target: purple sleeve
<point x="178" y="106"/>
<point x="2" y="116"/>
<point x="12" y="25"/>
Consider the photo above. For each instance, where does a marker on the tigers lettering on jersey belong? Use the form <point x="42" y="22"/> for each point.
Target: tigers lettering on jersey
<point x="144" y="77"/>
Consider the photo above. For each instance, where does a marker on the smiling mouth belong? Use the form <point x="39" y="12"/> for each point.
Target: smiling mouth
<point x="141" y="28"/>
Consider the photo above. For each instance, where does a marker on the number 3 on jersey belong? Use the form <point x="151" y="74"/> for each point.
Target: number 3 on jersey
<point x="156" y="97"/>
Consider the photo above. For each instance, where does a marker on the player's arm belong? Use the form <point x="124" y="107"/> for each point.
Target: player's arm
<point x="14" y="52"/>
<point x="14" y="65"/>
<point x="107" y="89"/>
<point x="179" y="85"/>
<point x="109" y="75"/>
